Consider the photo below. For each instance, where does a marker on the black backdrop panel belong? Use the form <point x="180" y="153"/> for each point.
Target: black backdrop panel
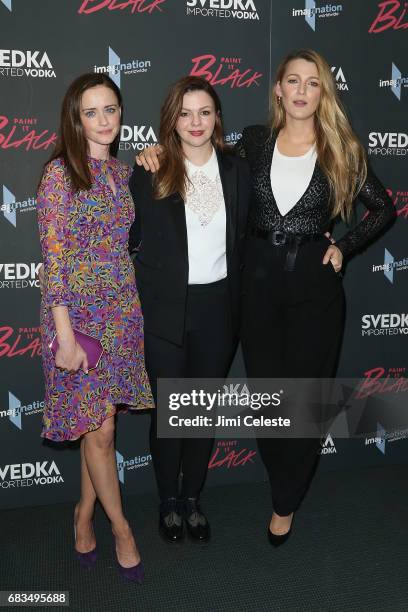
<point x="237" y="44"/>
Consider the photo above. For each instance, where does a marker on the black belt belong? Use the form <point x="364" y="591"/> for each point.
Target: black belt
<point x="280" y="238"/>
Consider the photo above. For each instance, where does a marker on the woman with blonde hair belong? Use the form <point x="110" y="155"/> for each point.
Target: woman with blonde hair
<point x="307" y="168"/>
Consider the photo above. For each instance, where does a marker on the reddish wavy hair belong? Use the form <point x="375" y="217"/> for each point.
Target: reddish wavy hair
<point x="172" y="177"/>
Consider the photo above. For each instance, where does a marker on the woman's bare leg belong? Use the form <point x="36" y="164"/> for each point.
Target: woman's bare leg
<point x="100" y="459"/>
<point x="84" y="510"/>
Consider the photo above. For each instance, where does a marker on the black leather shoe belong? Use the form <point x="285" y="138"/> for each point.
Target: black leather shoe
<point x="170" y="521"/>
<point x="278" y="540"/>
<point x="197" y="525"/>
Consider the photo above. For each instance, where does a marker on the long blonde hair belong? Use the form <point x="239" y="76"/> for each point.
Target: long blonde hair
<point x="340" y="153"/>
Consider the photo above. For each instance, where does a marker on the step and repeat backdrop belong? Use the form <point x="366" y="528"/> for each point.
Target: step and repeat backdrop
<point x="144" y="45"/>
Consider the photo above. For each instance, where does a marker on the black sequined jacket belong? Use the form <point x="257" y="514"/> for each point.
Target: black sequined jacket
<point x="312" y="213"/>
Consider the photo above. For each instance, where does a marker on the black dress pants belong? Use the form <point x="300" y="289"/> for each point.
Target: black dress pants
<point x="207" y="351"/>
<point x="292" y="328"/>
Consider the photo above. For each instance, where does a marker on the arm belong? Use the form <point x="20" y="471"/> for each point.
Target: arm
<point x="52" y="201"/>
<point x="252" y="136"/>
<point x="381" y="212"/>
<point x="239" y="147"/>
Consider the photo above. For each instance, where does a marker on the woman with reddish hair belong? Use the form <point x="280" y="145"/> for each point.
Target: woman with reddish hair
<point x="189" y="229"/>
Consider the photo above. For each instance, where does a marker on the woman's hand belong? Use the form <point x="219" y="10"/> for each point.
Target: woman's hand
<point x="149" y="158"/>
<point x="334" y="256"/>
<point x="71" y="356"/>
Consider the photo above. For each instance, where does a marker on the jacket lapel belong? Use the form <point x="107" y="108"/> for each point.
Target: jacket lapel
<point x="268" y="155"/>
<point x="228" y="176"/>
<point x="177" y="212"/>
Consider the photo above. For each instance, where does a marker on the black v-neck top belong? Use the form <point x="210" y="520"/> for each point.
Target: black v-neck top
<point x="312" y="213"/>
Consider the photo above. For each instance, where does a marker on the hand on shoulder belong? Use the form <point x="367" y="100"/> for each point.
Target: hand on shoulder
<point x="149" y="158"/>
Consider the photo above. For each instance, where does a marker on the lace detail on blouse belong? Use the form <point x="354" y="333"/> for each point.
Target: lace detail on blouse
<point x="204" y="197"/>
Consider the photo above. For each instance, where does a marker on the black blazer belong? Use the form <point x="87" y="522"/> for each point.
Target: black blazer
<point x="312" y="213"/>
<point x="159" y="234"/>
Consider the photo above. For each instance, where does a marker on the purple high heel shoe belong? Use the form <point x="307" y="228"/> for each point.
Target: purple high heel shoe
<point x="134" y="573"/>
<point x="86" y="560"/>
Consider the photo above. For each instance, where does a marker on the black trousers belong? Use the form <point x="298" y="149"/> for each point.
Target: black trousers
<point x="207" y="351"/>
<point x="292" y="327"/>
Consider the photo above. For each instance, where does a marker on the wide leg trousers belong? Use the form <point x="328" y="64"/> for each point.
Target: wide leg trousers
<point x="292" y="326"/>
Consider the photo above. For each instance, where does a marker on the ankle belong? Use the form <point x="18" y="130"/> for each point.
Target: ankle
<point x="169" y="505"/>
<point x="121" y="529"/>
<point x="189" y="505"/>
<point x="83" y="513"/>
<point x="282" y="516"/>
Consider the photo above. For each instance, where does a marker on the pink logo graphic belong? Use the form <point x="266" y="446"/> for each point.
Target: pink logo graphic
<point x="22" y="133"/>
<point x="392" y="15"/>
<point x="400" y="199"/>
<point x="227" y="454"/>
<point x="226" y="71"/>
<point x="378" y="381"/>
<point x="22" y="341"/>
<point x="137" y="6"/>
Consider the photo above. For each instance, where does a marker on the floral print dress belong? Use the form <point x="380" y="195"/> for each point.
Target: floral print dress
<point x="84" y="242"/>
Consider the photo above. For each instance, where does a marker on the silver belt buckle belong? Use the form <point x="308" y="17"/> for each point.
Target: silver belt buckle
<point x="278" y="238"/>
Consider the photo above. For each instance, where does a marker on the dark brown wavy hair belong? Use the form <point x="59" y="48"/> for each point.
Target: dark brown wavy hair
<point x="172" y="176"/>
<point x="71" y="144"/>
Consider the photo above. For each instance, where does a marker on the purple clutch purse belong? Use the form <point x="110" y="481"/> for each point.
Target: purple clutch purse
<point x="92" y="347"/>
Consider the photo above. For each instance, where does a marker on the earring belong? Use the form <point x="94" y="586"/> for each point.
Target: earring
<point x="279" y="100"/>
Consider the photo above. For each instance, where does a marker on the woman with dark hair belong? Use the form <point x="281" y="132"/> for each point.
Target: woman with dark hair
<point x="84" y="212"/>
<point x="189" y="229"/>
<point x="307" y="168"/>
